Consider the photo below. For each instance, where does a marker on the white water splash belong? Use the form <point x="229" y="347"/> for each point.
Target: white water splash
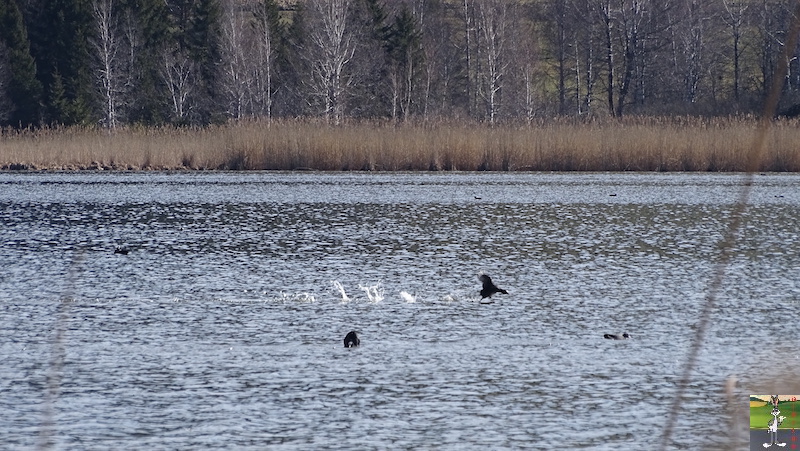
<point x="298" y="297"/>
<point x="338" y="286"/>
<point x="374" y="292"/>
<point x="449" y="298"/>
<point x="409" y="298"/>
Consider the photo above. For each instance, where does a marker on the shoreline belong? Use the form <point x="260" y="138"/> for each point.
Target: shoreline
<point x="24" y="169"/>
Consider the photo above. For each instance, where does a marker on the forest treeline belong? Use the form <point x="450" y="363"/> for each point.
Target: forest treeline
<point x="198" y="62"/>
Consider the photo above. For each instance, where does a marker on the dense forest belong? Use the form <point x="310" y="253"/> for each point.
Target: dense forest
<point x="156" y="62"/>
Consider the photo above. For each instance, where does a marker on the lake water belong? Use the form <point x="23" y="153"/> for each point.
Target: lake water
<point x="223" y="325"/>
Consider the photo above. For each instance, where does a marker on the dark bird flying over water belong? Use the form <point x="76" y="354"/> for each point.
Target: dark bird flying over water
<point x="624" y="336"/>
<point x="351" y="340"/>
<point x="489" y="288"/>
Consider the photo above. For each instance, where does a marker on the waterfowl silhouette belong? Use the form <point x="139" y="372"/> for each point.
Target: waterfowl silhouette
<point x="624" y="336"/>
<point x="488" y="287"/>
<point x="121" y="250"/>
<point x="351" y="340"/>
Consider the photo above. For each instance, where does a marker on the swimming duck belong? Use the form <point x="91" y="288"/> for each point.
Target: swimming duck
<point x="351" y="340"/>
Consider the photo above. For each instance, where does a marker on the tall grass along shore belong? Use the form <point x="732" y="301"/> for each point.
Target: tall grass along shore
<point x="634" y="144"/>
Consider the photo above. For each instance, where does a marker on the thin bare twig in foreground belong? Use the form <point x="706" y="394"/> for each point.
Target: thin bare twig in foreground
<point x="755" y="158"/>
<point x="57" y="353"/>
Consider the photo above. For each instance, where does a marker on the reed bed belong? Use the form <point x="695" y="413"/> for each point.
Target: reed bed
<point x="633" y="144"/>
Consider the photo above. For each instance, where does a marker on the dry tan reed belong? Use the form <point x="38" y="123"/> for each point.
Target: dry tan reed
<point x="634" y="144"/>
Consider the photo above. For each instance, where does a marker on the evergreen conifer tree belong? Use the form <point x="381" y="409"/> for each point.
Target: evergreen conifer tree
<point x="60" y="46"/>
<point x="23" y="90"/>
<point x="203" y="41"/>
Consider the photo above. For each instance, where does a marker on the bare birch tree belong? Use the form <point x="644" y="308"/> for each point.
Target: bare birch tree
<point x="332" y="44"/>
<point x="584" y="48"/>
<point x="692" y="32"/>
<point x="235" y="71"/>
<point x="525" y="65"/>
<point x="469" y="30"/>
<point x="110" y="75"/>
<point x="493" y="18"/>
<point x="266" y="28"/>
<point x="178" y="74"/>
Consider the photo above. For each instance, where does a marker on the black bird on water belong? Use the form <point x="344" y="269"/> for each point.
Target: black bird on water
<point x="121" y="250"/>
<point x="489" y="288"/>
<point x="624" y="336"/>
<point x="351" y="340"/>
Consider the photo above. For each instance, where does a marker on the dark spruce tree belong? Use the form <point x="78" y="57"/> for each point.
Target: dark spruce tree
<point x="291" y="100"/>
<point x="203" y="42"/>
<point x="374" y="92"/>
<point x="402" y="46"/>
<point x="396" y="38"/>
<point x="23" y="91"/>
<point x="59" y="43"/>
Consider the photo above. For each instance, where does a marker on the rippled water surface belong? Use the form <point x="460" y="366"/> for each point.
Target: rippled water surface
<point x="223" y="325"/>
